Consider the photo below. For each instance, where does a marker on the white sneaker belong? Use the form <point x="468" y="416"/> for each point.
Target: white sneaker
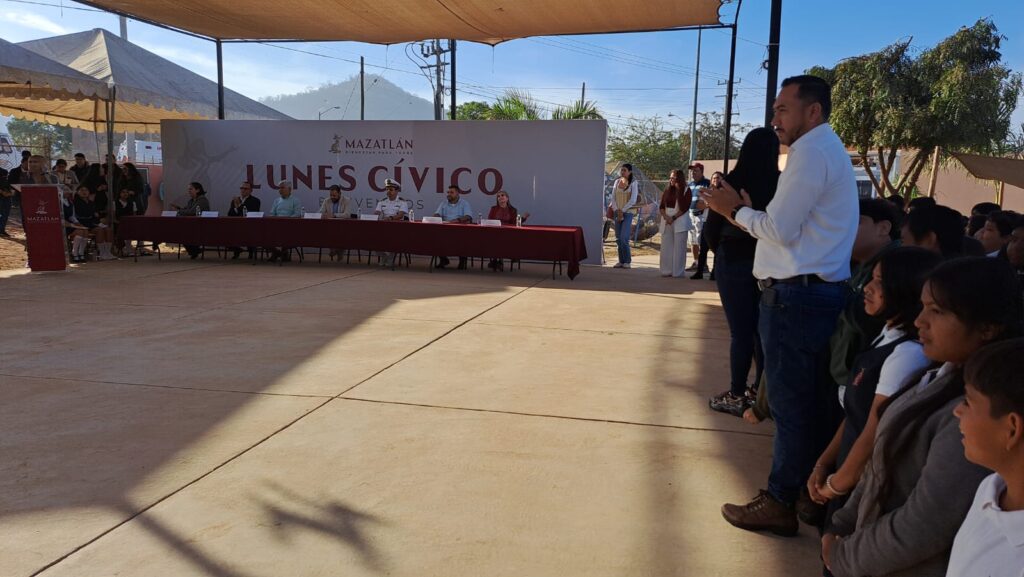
<point x="617" y="265"/>
<point x="626" y="265"/>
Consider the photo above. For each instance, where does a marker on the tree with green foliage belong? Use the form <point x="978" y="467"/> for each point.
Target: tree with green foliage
<point x="578" y="110"/>
<point x="957" y="96"/>
<point x="648" y="145"/>
<point x="47" y="139"/>
<point x="711" y="137"/>
<point x="473" y="110"/>
<point x="515" y="105"/>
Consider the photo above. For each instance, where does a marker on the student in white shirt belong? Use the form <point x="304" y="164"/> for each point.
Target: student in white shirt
<point x="991" y="540"/>
<point x="805" y="240"/>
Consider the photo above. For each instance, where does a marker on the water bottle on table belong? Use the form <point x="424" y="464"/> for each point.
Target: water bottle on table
<point x="519" y="220"/>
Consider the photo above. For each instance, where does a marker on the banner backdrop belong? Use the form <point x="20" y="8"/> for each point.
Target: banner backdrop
<point x="42" y="217"/>
<point x="552" y="169"/>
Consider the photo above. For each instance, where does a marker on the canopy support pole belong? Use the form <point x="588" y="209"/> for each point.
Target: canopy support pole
<point x="772" y="64"/>
<point x="220" y="81"/>
<point x="696" y="94"/>
<point x="729" y="88"/>
<point x="112" y="195"/>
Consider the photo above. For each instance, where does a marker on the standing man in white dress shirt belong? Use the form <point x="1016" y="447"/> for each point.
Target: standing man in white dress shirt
<point x="802" y="263"/>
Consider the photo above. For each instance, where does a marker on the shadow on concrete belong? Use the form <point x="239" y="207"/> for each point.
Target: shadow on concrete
<point x="334" y="519"/>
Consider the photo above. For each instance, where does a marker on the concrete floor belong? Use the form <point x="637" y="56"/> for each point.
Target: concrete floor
<point x="219" y="419"/>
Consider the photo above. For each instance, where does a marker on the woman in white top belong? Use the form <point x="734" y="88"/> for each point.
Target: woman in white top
<point x="623" y="200"/>
<point x="675" y="222"/>
<point x="893" y="293"/>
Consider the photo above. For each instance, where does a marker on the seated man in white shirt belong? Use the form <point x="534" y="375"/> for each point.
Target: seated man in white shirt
<point x="455" y="209"/>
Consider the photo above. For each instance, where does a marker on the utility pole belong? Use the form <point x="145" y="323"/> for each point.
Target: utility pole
<point x="696" y="87"/>
<point x="583" y="93"/>
<point x="451" y="46"/>
<point x="362" y="89"/>
<point x="124" y="27"/>
<point x="434" y="49"/>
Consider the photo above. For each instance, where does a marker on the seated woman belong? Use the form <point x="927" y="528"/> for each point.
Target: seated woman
<point x="197" y="203"/>
<point x="905" y="511"/>
<point x="508" y="215"/>
<point x="88" y="216"/>
<point x="894" y="294"/>
<point x="75" y="232"/>
<point x="125" y="205"/>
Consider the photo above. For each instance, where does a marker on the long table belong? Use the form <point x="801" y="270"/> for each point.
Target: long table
<point x="545" y="243"/>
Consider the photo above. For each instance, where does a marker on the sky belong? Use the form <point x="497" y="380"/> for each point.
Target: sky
<point x="627" y="75"/>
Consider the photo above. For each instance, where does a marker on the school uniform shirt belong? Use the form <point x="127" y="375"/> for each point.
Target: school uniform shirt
<point x="810" y="224"/>
<point x="905" y="360"/>
<point x="389" y="208"/>
<point x="990" y="543"/>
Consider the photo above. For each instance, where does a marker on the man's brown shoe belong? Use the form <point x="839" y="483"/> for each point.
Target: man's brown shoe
<point x="763" y="513"/>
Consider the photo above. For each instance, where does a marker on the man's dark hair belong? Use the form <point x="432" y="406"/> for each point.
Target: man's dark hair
<point x="984" y="208"/>
<point x="456" y="187"/>
<point x="79" y="155"/>
<point x="897" y="201"/>
<point x="975" y="223"/>
<point x="995" y="371"/>
<point x="878" y="209"/>
<point x="920" y="202"/>
<point x="25" y="154"/>
<point x="811" y="89"/>
<point x="1005" y="221"/>
<point x="946" y="223"/>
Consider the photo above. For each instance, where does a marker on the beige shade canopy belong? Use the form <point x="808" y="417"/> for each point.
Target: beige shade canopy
<point x="394" y="21"/>
<point x="1008" y="170"/>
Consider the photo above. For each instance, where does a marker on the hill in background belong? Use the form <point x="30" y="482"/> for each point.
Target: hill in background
<point x="384" y="101"/>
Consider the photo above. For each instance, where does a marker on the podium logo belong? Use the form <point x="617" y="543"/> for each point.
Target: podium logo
<point x="41" y="209"/>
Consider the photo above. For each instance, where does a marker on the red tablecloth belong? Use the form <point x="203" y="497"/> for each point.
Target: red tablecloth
<point x="549" y="243"/>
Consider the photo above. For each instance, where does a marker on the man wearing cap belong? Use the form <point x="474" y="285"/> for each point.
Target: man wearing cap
<point x="699" y="214"/>
<point x="241" y="205"/>
<point x="802" y="262"/>
<point x="286" y="205"/>
<point x="454" y="209"/>
<point x="391" y="208"/>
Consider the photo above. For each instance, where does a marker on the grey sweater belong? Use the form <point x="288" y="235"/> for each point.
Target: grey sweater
<point x="911" y="534"/>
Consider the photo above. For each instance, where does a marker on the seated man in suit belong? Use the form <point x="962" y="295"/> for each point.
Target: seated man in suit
<point x="242" y="205"/>
<point x="335" y="206"/>
<point x="287" y="205"/>
<point x="454" y="209"/>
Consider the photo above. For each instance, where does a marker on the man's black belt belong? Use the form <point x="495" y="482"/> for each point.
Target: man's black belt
<point x="802" y="279"/>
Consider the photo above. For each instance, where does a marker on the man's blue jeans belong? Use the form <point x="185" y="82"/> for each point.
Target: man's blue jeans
<point x="796" y="323"/>
<point x="623" y="232"/>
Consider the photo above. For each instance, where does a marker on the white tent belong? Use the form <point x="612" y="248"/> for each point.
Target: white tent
<point x="34" y="87"/>
<point x="147" y="88"/>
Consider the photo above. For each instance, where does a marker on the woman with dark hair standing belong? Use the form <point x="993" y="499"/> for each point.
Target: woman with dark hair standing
<point x="757" y="172"/>
<point x="675" y="225"/>
<point x="624" y="197"/>
<point x="905" y="511"/>
<point x="197" y="204"/>
<point x="131" y="179"/>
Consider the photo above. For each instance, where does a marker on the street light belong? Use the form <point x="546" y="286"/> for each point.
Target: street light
<point x="319" y="115"/>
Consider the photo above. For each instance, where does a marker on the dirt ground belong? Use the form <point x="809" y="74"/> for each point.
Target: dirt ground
<point x="12" y="249"/>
